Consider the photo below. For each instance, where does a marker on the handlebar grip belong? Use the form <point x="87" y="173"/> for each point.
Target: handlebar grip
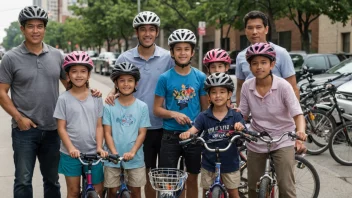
<point x="191" y="138"/>
<point x="252" y="133"/>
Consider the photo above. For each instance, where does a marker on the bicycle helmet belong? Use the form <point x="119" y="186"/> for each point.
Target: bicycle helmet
<point x="146" y="18"/>
<point x="260" y="49"/>
<point x="218" y="80"/>
<point x="77" y="58"/>
<point x="182" y="36"/>
<point x="123" y="69"/>
<point x="32" y="12"/>
<point x="216" y="55"/>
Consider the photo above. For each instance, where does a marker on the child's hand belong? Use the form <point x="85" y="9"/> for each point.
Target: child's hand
<point x="96" y="93"/>
<point x="128" y="156"/>
<point x="102" y="153"/>
<point x="185" y="135"/>
<point x="181" y="118"/>
<point x="110" y="99"/>
<point x="74" y="153"/>
<point x="238" y="126"/>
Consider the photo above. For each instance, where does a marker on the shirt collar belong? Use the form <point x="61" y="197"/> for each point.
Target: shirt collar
<point x="156" y="52"/>
<point x="24" y="49"/>
<point x="273" y="86"/>
<point x="209" y="113"/>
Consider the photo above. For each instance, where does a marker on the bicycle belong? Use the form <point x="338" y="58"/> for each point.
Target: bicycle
<point x="218" y="189"/>
<point x="268" y="184"/>
<point x="123" y="191"/>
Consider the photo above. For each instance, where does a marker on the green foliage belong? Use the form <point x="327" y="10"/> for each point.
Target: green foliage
<point x="13" y="37"/>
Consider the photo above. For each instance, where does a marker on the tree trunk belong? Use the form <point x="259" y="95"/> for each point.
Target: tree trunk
<point x="273" y="36"/>
<point x="305" y="38"/>
<point x="108" y="43"/>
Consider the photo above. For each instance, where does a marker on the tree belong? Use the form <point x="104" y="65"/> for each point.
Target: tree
<point x="13" y="37"/>
<point x="304" y="12"/>
<point x="54" y="34"/>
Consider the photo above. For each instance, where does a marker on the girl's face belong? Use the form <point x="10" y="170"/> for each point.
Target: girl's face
<point x="261" y="66"/>
<point x="219" y="96"/>
<point x="218" y="67"/>
<point x="78" y="75"/>
<point x="126" y="84"/>
<point x="182" y="52"/>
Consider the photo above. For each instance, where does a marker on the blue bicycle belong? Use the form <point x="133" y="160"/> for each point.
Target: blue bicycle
<point x="218" y="189"/>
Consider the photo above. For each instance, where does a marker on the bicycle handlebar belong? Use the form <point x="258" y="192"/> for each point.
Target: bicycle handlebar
<point x="96" y="158"/>
<point x="291" y="134"/>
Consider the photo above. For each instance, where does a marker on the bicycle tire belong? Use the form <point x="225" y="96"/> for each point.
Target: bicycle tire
<point x="243" y="188"/>
<point x="92" y="194"/>
<point x="301" y="187"/>
<point x="125" y="194"/>
<point x="338" y="144"/>
<point x="217" y="193"/>
<point x="264" y="186"/>
<point x="319" y="136"/>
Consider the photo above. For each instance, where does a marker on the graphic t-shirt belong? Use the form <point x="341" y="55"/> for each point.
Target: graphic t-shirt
<point x="181" y="94"/>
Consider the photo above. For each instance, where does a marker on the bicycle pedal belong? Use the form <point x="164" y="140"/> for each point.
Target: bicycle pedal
<point x="300" y="165"/>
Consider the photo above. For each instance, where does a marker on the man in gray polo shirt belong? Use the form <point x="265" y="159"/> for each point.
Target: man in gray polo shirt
<point x="32" y="71"/>
<point x="256" y="28"/>
<point x="152" y="61"/>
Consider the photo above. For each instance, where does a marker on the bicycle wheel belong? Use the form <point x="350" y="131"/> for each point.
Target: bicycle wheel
<point x="125" y="194"/>
<point x="92" y="194"/>
<point x="319" y="129"/>
<point x="307" y="180"/>
<point x="264" y="188"/>
<point x="217" y="193"/>
<point x="243" y="188"/>
<point x="340" y="144"/>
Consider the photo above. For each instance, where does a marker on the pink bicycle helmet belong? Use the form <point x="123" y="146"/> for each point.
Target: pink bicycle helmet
<point x="216" y="55"/>
<point x="77" y="58"/>
<point x="260" y="49"/>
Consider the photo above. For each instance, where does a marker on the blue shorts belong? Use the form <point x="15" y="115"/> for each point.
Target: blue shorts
<point x="71" y="167"/>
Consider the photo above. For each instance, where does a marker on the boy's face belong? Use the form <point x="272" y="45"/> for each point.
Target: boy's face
<point x="147" y="34"/>
<point x="78" y="75"/>
<point x="261" y="66"/>
<point x="182" y="52"/>
<point x="126" y="84"/>
<point x="255" y="31"/>
<point x="219" y="96"/>
<point x="218" y="67"/>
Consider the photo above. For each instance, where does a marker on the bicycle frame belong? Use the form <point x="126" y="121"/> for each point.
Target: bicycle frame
<point x="123" y="186"/>
<point x="87" y="184"/>
<point x="217" y="180"/>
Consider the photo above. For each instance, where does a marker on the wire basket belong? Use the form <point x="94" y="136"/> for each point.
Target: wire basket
<point x="167" y="179"/>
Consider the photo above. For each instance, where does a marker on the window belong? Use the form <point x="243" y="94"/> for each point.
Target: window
<point x="285" y="40"/>
<point x="244" y="43"/>
<point x="334" y="60"/>
<point x="225" y="44"/>
<point x="346" y="42"/>
<point x="317" y="62"/>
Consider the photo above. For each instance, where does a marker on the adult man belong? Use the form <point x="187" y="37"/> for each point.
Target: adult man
<point x="256" y="28"/>
<point x="33" y="70"/>
<point x="152" y="61"/>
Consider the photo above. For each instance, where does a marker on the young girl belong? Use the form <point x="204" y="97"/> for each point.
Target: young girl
<point x="275" y="110"/>
<point x="218" y="116"/>
<point x="79" y="120"/>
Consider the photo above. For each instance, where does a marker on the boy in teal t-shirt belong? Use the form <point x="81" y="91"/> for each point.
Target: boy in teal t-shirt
<point x="125" y="127"/>
<point x="182" y="90"/>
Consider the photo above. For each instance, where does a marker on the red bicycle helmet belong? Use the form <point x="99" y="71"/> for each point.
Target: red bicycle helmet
<point x="216" y="55"/>
<point x="77" y="58"/>
<point x="260" y="49"/>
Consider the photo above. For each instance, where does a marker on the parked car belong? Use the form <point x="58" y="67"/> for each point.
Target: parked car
<point x="94" y="56"/>
<point x="341" y="68"/>
<point x="105" y="63"/>
<point x="344" y="98"/>
<point x="316" y="63"/>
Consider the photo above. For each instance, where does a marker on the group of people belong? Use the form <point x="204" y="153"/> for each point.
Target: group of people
<point x="157" y="95"/>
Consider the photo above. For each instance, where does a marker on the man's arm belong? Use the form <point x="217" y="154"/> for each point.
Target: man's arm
<point x="204" y="102"/>
<point x="293" y="82"/>
<point x="238" y="91"/>
<point x="139" y="141"/>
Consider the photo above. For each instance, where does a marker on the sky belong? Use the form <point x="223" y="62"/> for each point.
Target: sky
<point x="9" y="12"/>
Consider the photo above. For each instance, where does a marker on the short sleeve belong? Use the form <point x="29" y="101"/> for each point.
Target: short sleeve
<point x="6" y="75"/>
<point x="244" y="104"/>
<point x="121" y="59"/>
<point x="160" y="89"/>
<point x="100" y="107"/>
<point x="291" y="101"/>
<point x="239" y="73"/>
<point x="60" y="109"/>
<point x="202" y="91"/>
<point x="286" y="65"/>
<point x="145" y="121"/>
<point x="107" y="115"/>
<point x="199" y="122"/>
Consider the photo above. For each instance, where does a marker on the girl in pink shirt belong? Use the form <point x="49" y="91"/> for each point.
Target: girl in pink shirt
<point x="275" y="110"/>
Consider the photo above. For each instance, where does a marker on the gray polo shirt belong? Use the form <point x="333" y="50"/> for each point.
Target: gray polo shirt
<point x="150" y="70"/>
<point x="34" y="82"/>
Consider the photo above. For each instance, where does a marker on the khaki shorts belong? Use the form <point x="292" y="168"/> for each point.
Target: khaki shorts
<point x="134" y="177"/>
<point x="231" y="180"/>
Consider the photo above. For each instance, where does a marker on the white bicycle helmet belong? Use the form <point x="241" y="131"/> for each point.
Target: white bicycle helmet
<point x="218" y="80"/>
<point x="33" y="12"/>
<point x="146" y="18"/>
<point x="182" y="36"/>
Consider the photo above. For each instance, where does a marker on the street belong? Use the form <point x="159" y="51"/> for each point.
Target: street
<point x="335" y="179"/>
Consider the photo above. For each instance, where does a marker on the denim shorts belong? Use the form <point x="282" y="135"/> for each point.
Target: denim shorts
<point x="72" y="167"/>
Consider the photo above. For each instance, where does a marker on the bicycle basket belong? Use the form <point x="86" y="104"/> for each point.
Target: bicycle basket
<point x="167" y="179"/>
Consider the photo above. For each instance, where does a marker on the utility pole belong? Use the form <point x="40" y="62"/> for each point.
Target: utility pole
<point x="139" y="6"/>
